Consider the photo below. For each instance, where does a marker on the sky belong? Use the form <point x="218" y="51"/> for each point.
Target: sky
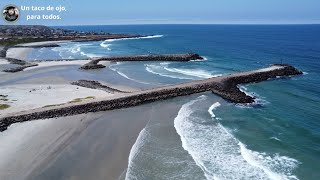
<point x="105" y="12"/>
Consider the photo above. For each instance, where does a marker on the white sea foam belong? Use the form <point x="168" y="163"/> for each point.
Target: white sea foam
<point x="275" y="138"/>
<point x="162" y="69"/>
<point x="70" y="50"/>
<point x="146" y="37"/>
<point x="90" y="55"/>
<point x="276" y="167"/>
<point x="213" y="107"/>
<point x="259" y="100"/>
<point x="124" y="75"/>
<point x="219" y="154"/>
<point x="138" y="145"/>
<point x="204" y="59"/>
<point x="158" y="70"/>
<point x="150" y="37"/>
<point x="193" y="72"/>
<point x="104" y="44"/>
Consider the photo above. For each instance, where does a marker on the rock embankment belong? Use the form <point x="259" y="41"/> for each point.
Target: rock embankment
<point x="225" y="86"/>
<point x="94" y="64"/>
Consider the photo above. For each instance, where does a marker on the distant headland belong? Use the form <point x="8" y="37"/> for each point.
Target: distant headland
<point x="11" y="35"/>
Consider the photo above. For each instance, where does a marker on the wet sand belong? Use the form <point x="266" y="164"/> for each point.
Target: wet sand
<point x="91" y="146"/>
<point x="76" y="147"/>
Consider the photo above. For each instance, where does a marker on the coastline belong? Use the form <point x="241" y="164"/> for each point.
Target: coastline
<point x="62" y="132"/>
<point x="79" y="146"/>
<point x="105" y="133"/>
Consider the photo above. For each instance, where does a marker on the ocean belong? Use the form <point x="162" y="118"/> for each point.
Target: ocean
<point x="278" y="137"/>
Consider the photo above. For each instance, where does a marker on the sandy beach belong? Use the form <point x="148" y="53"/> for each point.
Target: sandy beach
<point x="42" y="91"/>
<point x="24" y="97"/>
<point x="87" y="146"/>
<point x="76" y="147"/>
<point x="43" y="147"/>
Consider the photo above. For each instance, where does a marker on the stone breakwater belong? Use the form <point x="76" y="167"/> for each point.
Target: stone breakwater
<point x="23" y="65"/>
<point x="96" y="85"/>
<point x="225" y="86"/>
<point x="229" y="90"/>
<point x="36" y="46"/>
<point x="94" y="64"/>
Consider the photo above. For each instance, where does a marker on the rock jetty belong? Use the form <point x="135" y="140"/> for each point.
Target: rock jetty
<point x="23" y="65"/>
<point x="94" y="64"/>
<point x="96" y="85"/>
<point x="36" y="46"/>
<point x="225" y="86"/>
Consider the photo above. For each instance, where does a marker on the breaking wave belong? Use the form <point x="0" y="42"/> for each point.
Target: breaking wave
<point x="134" y="152"/>
<point x="113" y="68"/>
<point x="106" y="44"/>
<point x="219" y="154"/>
<point x="162" y="69"/>
<point x="67" y="51"/>
<point x="259" y="100"/>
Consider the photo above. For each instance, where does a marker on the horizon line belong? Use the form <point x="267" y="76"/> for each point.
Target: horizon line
<point x="124" y="24"/>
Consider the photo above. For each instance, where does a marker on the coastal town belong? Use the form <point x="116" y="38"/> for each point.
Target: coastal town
<point x="16" y="34"/>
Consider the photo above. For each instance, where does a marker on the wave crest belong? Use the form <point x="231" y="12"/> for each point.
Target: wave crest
<point x="164" y="70"/>
<point x="219" y="154"/>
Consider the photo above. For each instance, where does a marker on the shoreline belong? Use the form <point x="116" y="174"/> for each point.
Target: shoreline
<point x="46" y="146"/>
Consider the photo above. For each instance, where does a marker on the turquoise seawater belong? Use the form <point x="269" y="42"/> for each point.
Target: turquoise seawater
<point x="277" y="138"/>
